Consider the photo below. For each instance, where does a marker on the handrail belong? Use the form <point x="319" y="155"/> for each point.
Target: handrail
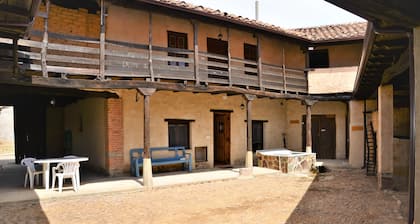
<point x="124" y="59"/>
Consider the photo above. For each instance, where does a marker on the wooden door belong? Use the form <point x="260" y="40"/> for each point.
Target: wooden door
<point x="29" y="131"/>
<point x="221" y="129"/>
<point x="257" y="135"/>
<point x="323" y="136"/>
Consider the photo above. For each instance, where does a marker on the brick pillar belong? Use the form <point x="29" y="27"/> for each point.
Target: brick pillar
<point x="385" y="136"/>
<point x="114" y="154"/>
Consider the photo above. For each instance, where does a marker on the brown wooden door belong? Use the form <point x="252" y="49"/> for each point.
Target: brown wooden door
<point x="323" y="136"/>
<point x="221" y="130"/>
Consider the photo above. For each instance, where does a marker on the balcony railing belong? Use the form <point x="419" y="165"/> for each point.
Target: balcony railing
<point x="80" y="58"/>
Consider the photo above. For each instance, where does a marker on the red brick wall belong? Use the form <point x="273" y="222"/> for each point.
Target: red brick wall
<point x="114" y="137"/>
<point x="69" y="21"/>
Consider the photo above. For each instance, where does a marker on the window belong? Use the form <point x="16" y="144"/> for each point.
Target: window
<point x="179" y="133"/>
<point x="318" y="58"/>
<point x="180" y="41"/>
<point x="250" y="53"/>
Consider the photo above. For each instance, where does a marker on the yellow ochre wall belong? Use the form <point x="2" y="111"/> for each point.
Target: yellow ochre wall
<point x="86" y="120"/>
<point x="182" y="105"/>
<point x="295" y="111"/>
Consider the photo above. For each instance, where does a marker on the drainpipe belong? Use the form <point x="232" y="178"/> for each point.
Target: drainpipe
<point x="257" y="3"/>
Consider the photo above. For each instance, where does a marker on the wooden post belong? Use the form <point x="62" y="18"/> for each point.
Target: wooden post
<point x="196" y="58"/>
<point x="284" y="74"/>
<point x="309" y="104"/>
<point x="259" y="66"/>
<point x="45" y="41"/>
<point x="229" y="58"/>
<point x="147" y="165"/>
<point x="15" y="56"/>
<point x="249" y="156"/>
<point x="152" y="75"/>
<point x="102" y="44"/>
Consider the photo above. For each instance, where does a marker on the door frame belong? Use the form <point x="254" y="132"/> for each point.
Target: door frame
<point x="228" y="150"/>
<point x="314" y="142"/>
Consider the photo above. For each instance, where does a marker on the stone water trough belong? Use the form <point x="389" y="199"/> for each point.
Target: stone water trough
<point x="285" y="160"/>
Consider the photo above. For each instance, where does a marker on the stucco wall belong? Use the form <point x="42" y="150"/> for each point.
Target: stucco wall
<point x="332" y="80"/>
<point x="119" y="18"/>
<point x="344" y="55"/>
<point x="86" y="120"/>
<point x="295" y="111"/>
<point x="197" y="107"/>
<point x="55" y="131"/>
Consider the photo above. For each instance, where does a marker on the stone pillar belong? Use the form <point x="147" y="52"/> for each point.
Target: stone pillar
<point x="114" y="155"/>
<point x="147" y="163"/>
<point x="356" y="133"/>
<point x="385" y="135"/>
<point x="249" y="153"/>
<point x="416" y="120"/>
<point x="309" y="104"/>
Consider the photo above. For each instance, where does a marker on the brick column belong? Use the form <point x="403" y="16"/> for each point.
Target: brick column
<point x="114" y="154"/>
<point x="385" y="135"/>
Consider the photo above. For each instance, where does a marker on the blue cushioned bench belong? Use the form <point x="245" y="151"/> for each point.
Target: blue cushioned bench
<point x="176" y="155"/>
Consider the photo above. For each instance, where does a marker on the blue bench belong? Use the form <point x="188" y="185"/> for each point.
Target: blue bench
<point x="176" y="155"/>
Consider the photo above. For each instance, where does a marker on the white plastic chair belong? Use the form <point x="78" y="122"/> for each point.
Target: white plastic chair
<point x="78" y="169"/>
<point x="63" y="171"/>
<point x="30" y="171"/>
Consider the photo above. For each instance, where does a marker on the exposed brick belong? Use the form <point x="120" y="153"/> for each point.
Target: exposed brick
<point x="114" y="137"/>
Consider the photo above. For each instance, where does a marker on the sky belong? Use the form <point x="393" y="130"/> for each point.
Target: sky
<point x="284" y="13"/>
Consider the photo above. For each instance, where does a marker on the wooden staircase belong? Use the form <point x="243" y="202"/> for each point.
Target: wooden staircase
<point x="370" y="141"/>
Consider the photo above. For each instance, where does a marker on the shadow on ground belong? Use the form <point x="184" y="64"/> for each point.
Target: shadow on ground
<point x="348" y="196"/>
<point x="12" y="178"/>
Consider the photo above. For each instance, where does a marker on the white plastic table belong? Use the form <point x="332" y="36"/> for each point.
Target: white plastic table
<point x="46" y="166"/>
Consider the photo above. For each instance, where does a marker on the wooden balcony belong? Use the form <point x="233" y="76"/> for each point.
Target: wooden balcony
<point x="77" y="58"/>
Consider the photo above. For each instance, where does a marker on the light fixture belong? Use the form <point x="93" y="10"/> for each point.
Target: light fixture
<point x="242" y="106"/>
<point x="52" y="101"/>
<point x="311" y="48"/>
<point x="220" y="36"/>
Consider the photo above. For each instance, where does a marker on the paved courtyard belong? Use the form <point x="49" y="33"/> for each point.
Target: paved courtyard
<point x="339" y="196"/>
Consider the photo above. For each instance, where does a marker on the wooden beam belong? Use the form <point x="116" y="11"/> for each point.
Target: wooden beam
<point x="102" y="44"/>
<point x="15" y="56"/>
<point x="229" y="57"/>
<point x="308" y="129"/>
<point x="152" y="76"/>
<point x="11" y="9"/>
<point x="259" y="66"/>
<point x="284" y="72"/>
<point x="249" y="98"/>
<point x="196" y="56"/>
<point x="45" y="42"/>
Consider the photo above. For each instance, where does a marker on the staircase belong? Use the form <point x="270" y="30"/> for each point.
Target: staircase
<point x="370" y="141"/>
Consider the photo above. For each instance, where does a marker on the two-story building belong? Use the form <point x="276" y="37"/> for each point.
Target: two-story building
<point x="99" y="78"/>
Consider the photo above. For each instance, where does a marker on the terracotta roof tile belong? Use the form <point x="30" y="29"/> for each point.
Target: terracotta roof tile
<point x="348" y="31"/>
<point x="322" y="33"/>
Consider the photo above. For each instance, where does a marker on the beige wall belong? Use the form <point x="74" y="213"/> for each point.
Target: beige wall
<point x="356" y="133"/>
<point x="295" y="111"/>
<point x="86" y="120"/>
<point x="402" y="122"/>
<point x="385" y="131"/>
<point x="55" y="131"/>
<point x="401" y="149"/>
<point x="120" y="18"/>
<point x="344" y="55"/>
<point x="332" y="80"/>
<point x="197" y="107"/>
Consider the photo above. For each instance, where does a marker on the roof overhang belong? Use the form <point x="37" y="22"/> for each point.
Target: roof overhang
<point x="17" y="16"/>
<point x="385" y="48"/>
